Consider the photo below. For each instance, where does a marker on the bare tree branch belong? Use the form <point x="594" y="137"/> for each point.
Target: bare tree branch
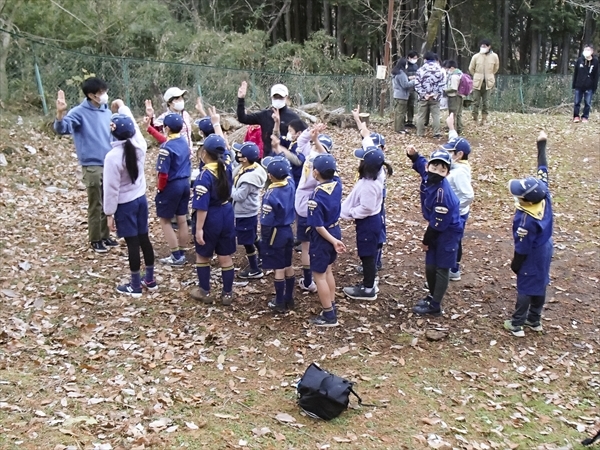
<point x="282" y="11"/>
<point x="593" y="6"/>
<point x="74" y="16"/>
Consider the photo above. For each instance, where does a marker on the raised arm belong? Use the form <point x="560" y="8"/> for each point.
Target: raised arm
<point x="243" y="117"/>
<point x="64" y="123"/>
<point x="542" y="158"/>
<point x="362" y="127"/>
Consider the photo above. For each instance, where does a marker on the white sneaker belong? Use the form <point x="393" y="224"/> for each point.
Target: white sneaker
<point x="172" y="261"/>
<point x="312" y="288"/>
<point x="454" y="276"/>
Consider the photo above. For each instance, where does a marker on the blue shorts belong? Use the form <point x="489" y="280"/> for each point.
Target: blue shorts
<point x="246" y="229"/>
<point x="173" y="199"/>
<point x="321" y="252"/>
<point x="302" y="233"/>
<point x="276" y="247"/>
<point x="368" y="232"/>
<point x="442" y="253"/>
<point x="219" y="232"/>
<point x="534" y="275"/>
<point x="131" y="218"/>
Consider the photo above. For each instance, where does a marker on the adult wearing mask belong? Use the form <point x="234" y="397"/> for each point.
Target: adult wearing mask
<point x="585" y="82"/>
<point x="174" y="98"/>
<point x="264" y="118"/>
<point x="483" y="67"/>
<point x="402" y="90"/>
<point x="89" y="124"/>
<point x="411" y="72"/>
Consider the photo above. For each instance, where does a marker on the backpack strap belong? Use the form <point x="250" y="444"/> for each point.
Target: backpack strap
<point x="360" y="402"/>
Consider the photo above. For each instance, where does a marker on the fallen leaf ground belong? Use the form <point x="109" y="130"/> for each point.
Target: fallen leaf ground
<point x="82" y="367"/>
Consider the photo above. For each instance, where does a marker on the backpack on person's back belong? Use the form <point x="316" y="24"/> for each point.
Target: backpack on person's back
<point x="465" y="85"/>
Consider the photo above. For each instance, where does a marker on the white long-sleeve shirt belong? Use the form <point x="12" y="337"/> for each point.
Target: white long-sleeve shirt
<point x="364" y="200"/>
<point x="460" y="182"/>
<point x="117" y="185"/>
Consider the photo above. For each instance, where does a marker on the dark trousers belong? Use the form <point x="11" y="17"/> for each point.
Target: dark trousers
<point x="586" y="96"/>
<point x="528" y="307"/>
<point x="437" y="281"/>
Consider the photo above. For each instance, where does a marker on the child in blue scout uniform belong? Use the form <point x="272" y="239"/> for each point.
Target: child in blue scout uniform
<point x="324" y="208"/>
<point x="174" y="170"/>
<point x="248" y="180"/>
<point x="213" y="223"/>
<point x="125" y="197"/>
<point x="532" y="232"/>
<point x="277" y="237"/>
<point x="288" y="146"/>
<point x="460" y="182"/>
<point x="364" y="206"/>
<point x="440" y="208"/>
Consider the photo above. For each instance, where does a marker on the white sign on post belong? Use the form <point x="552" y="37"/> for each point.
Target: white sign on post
<point x="381" y="72"/>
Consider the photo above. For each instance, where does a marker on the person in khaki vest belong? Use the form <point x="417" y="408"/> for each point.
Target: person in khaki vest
<point x="483" y="67"/>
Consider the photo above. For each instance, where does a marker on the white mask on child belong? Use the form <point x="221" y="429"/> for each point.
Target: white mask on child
<point x="289" y="137"/>
<point x="278" y="104"/>
<point x="413" y="61"/>
<point x="587" y="53"/>
<point x="103" y="99"/>
<point x="179" y="105"/>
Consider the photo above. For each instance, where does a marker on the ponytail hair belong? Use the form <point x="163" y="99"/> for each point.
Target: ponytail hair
<point x="131" y="161"/>
<point x="223" y="187"/>
<point x="388" y="168"/>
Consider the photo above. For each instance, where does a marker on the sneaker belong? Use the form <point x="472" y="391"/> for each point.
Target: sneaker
<point x="516" y="331"/>
<point x="437" y="136"/>
<point x="454" y="276"/>
<point x="226" y="298"/>
<point x="150" y="285"/>
<point x="425" y="301"/>
<point x="99" y="247"/>
<point x="108" y="242"/>
<point x="584" y="120"/>
<point x="312" y="288"/>
<point x="127" y="289"/>
<point x="358" y="293"/>
<point x="322" y="321"/>
<point x="248" y="274"/>
<point x="172" y="261"/>
<point x="199" y="294"/>
<point x="429" y="308"/>
<point x="535" y="326"/>
<point x="276" y="307"/>
<point x="576" y="120"/>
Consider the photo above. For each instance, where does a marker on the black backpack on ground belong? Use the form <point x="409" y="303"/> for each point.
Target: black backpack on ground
<point x="323" y="395"/>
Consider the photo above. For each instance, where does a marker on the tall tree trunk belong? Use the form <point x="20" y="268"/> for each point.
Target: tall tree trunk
<point x="327" y="18"/>
<point x="565" y="54"/>
<point x="525" y="43"/>
<point x="433" y="24"/>
<point x="419" y="18"/>
<point x="534" y="52"/>
<point x="297" y="18"/>
<point x="287" y="18"/>
<point x="5" y="39"/>
<point x="505" y="37"/>
<point x="309" y="18"/>
<point x="338" y="29"/>
<point x="588" y="27"/>
<point x="543" y="61"/>
<point x="550" y="57"/>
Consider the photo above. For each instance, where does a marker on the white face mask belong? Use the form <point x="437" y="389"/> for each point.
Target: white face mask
<point x="178" y="106"/>
<point x="587" y="53"/>
<point x="483" y="49"/>
<point x="278" y="104"/>
<point x="289" y="136"/>
<point x="413" y="61"/>
<point x="103" y="99"/>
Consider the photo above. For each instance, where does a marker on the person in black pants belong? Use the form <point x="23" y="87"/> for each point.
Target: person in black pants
<point x="264" y="118"/>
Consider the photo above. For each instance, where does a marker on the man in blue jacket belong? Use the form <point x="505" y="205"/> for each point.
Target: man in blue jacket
<point x="89" y="123"/>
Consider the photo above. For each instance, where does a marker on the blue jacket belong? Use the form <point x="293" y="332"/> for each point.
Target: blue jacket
<point x="278" y="204"/>
<point x="174" y="158"/>
<point x="439" y="203"/>
<point x="90" y="127"/>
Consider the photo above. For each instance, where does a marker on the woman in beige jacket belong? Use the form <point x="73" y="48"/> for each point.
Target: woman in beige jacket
<point x="483" y="67"/>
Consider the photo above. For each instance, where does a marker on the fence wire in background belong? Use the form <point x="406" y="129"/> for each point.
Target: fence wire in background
<point x="35" y="72"/>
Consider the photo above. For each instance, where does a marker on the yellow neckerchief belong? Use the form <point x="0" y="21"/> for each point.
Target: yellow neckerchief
<point x="173" y="136"/>
<point x="328" y="186"/>
<point x="212" y="168"/>
<point x="536" y="210"/>
<point x="242" y="170"/>
<point x="277" y="184"/>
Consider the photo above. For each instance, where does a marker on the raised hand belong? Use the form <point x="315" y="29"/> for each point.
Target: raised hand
<point x="115" y="105"/>
<point x="411" y="150"/>
<point x="149" y="108"/>
<point x="542" y="136"/>
<point x="61" y="104"/>
<point x="356" y="113"/>
<point x="200" y="107"/>
<point x="215" y="118"/>
<point x="242" y="90"/>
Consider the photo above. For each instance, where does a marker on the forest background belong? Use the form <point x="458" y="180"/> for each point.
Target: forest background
<point x="343" y="38"/>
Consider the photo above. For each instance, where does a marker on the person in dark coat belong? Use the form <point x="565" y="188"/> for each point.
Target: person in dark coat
<point x="585" y="83"/>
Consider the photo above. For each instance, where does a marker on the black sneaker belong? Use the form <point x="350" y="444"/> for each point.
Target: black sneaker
<point x="359" y="293"/>
<point x="430" y="308"/>
<point x="425" y="301"/>
<point x="322" y="321"/>
<point x="247" y="273"/>
<point x="99" y="247"/>
<point x="108" y="242"/>
<point x="277" y="307"/>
